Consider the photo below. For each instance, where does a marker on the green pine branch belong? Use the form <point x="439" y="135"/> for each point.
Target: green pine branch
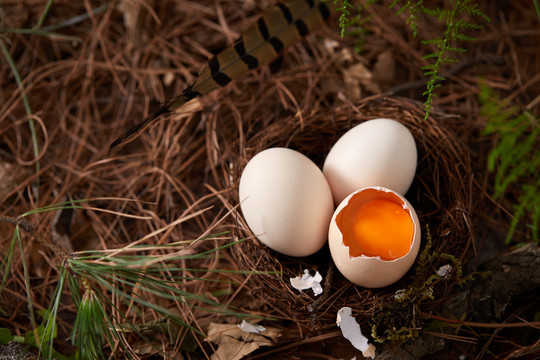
<point x="112" y="288"/>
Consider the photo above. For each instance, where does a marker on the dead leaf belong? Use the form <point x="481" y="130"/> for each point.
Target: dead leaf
<point x="330" y="45"/>
<point x="356" y="75"/>
<point x="352" y="86"/>
<point x="234" y="344"/>
<point x="385" y="67"/>
<point x="342" y="59"/>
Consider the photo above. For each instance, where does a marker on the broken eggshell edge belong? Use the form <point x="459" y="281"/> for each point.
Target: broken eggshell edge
<point x="368" y="271"/>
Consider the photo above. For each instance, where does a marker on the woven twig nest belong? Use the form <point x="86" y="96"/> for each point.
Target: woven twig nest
<point x="441" y="194"/>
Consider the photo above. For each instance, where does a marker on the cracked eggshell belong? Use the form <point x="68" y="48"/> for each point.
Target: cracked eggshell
<point x="286" y="201"/>
<point x="371" y="271"/>
<point x="378" y="152"/>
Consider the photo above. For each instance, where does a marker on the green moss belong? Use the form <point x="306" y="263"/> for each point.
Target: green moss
<point x="401" y="318"/>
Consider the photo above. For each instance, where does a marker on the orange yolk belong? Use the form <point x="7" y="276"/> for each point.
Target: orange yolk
<point x="378" y="227"/>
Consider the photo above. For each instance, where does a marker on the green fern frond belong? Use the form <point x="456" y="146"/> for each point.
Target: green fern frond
<point x="345" y="10"/>
<point x="515" y="159"/>
<point x="456" y="30"/>
<point x="414" y="8"/>
<point x="471" y="9"/>
<point x="352" y="21"/>
<point x="453" y="33"/>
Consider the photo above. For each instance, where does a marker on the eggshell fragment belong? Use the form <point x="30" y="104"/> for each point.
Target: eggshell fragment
<point x="352" y="332"/>
<point x="371" y="271"/>
<point x="286" y="201"/>
<point x="308" y="281"/>
<point x="379" y="152"/>
<point x="250" y="328"/>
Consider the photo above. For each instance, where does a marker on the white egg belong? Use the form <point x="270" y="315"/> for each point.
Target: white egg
<point x="379" y="152"/>
<point x="374" y="237"/>
<point x="286" y="201"/>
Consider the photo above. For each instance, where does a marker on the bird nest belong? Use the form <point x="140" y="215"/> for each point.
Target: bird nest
<point x="441" y="194"/>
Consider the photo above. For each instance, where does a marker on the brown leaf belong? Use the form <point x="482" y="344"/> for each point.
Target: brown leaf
<point x="357" y="76"/>
<point x="385" y="67"/>
<point x="234" y="344"/>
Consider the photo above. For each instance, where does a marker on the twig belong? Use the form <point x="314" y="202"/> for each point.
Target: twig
<point x="26" y="226"/>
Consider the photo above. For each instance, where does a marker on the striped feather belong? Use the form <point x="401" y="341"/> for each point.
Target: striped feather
<point x="282" y="26"/>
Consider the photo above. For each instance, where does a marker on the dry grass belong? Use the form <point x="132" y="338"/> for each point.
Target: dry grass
<point x="85" y="91"/>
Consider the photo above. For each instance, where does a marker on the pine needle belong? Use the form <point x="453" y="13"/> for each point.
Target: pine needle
<point x="28" y="109"/>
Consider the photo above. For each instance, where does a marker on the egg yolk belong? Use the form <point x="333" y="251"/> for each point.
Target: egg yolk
<point x="377" y="227"/>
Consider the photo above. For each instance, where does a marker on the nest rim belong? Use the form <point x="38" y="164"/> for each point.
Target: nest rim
<point x="444" y="178"/>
